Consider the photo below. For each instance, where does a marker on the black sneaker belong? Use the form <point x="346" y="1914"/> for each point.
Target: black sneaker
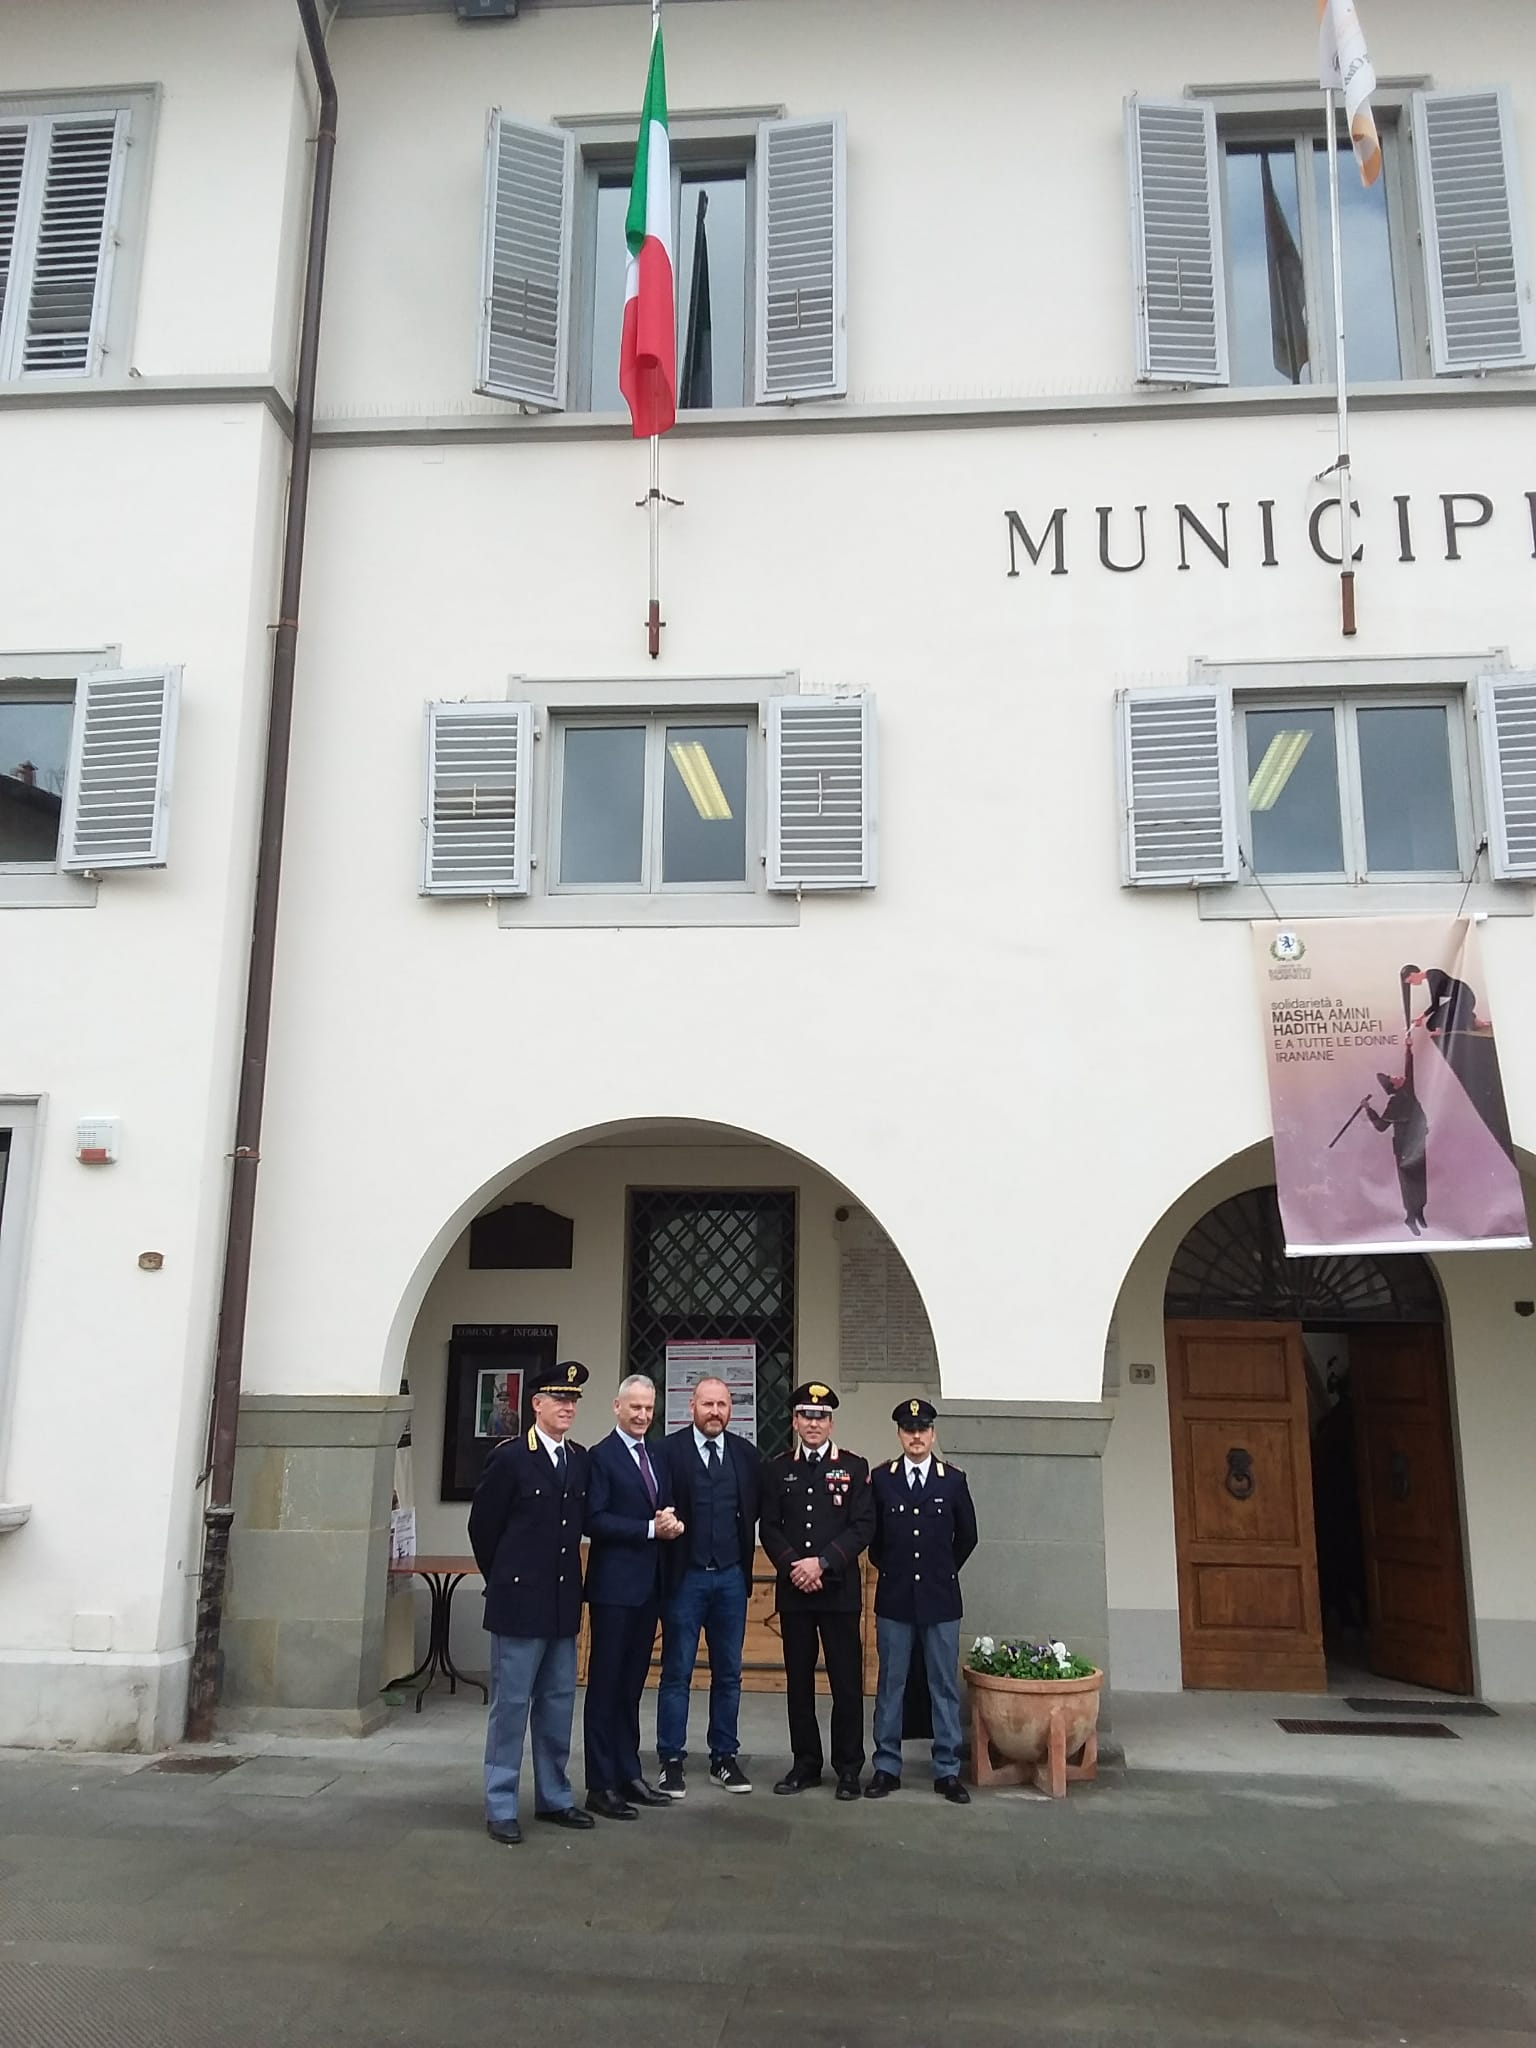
<point x="728" y="1775"/>
<point x="672" y="1781"/>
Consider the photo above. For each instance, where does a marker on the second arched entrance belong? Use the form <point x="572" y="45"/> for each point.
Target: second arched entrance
<point x="1316" y="1511"/>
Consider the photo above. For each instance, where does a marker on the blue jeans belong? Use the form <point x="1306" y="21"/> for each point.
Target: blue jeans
<point x="536" y="1673"/>
<point x="938" y="1643"/>
<point x="715" y="1602"/>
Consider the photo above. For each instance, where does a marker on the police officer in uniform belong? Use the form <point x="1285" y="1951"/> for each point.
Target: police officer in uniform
<point x="925" y="1529"/>
<point x="525" y="1530"/>
<point x="817" y="1516"/>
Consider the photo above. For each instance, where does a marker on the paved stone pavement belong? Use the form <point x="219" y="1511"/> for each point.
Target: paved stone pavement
<point x="347" y="1894"/>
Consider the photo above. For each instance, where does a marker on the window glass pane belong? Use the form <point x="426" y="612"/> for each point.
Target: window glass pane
<point x="34" y="748"/>
<point x="1405" y="786"/>
<point x="611" y="256"/>
<point x="704" y="805"/>
<point x="1267" y="323"/>
<point x="712" y="289"/>
<point x="1293" y="792"/>
<point x="1370" y="308"/>
<point x="602" y="805"/>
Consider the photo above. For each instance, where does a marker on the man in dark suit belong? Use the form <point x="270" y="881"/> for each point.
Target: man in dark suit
<point x="925" y="1529"/>
<point x="525" y="1526"/>
<point x="715" y="1480"/>
<point x="630" y="1524"/>
<point x="818" y="1515"/>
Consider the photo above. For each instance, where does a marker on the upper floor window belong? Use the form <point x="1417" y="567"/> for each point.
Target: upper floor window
<point x="1233" y="253"/>
<point x="71" y="197"/>
<point x="759" y="232"/>
<point x="621" y="812"/>
<point x="1395" y="782"/>
<point x="85" y="766"/>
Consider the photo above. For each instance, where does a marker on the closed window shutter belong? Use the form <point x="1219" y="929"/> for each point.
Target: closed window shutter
<point x="802" y="260"/>
<point x="478" y="760"/>
<point x="525" y="290"/>
<point x="821" y="793"/>
<point x="13" y="157"/>
<point x="1177" y="792"/>
<point x="117" y="792"/>
<point x="1481" y="317"/>
<point x="1176" y="254"/>
<point x="71" y="256"/>
<point x="1506" y="717"/>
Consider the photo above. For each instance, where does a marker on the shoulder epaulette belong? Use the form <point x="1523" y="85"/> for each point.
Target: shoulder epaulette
<point x="895" y="1464"/>
<point x="533" y="1439"/>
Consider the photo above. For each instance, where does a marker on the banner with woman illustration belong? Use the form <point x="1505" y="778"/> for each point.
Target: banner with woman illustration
<point x="1390" y="1125"/>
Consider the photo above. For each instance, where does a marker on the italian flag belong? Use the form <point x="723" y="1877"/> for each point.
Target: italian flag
<point x="648" y="350"/>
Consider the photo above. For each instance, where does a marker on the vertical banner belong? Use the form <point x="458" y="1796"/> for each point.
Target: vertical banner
<point x="1390" y="1126"/>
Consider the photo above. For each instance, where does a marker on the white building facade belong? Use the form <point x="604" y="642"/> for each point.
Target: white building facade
<point x="808" y="985"/>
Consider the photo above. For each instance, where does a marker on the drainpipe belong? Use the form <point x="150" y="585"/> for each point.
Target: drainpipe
<point x="229" y="1357"/>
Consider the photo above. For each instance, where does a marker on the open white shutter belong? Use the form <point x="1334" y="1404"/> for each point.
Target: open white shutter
<point x="478" y="760"/>
<point x="1506" y="719"/>
<point x="1481" y="317"/>
<point x="117" y="791"/>
<point x="802" y="260"/>
<point x="821" y="793"/>
<point x="525" y="283"/>
<point x="1176" y="252"/>
<point x="71" y="242"/>
<point x="1176" y="787"/>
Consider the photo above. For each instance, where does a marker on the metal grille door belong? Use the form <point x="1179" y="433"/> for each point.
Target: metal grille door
<point x="711" y="1264"/>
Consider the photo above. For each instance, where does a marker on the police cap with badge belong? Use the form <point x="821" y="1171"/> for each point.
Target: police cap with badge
<point x="814" y="1398"/>
<point x="562" y="1382"/>
<point x="914" y="1414"/>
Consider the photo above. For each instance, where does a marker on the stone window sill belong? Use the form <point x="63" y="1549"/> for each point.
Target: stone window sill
<point x="14" y="1514"/>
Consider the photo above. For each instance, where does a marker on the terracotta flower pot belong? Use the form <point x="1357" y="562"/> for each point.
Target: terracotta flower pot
<point x="1034" y="1731"/>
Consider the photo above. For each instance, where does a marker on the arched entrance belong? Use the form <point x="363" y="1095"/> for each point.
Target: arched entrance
<point x="1316" y="1510"/>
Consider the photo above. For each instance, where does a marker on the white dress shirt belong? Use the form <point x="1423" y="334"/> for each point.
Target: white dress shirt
<point x="920" y="1467"/>
<point x="552" y="1444"/>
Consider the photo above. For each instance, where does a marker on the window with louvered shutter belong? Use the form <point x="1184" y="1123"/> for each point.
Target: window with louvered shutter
<point x="530" y="174"/>
<point x="117" y="792"/>
<point x="60" y="189"/>
<point x="1506" y="717"/>
<point x="821" y="793"/>
<point x="1177" y="790"/>
<point x="1481" y="316"/>
<point x="802" y="282"/>
<point x="1176" y="252"/>
<point x="478" y="758"/>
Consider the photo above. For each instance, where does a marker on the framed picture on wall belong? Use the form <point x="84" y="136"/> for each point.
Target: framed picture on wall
<point x="491" y="1367"/>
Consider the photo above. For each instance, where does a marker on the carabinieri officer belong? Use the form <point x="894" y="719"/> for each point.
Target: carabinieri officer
<point x="925" y="1529"/>
<point x="525" y="1530"/>
<point x="817" y="1516"/>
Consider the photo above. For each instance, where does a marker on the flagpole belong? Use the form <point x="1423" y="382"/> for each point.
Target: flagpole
<point x="653" y="610"/>
<point x="1342" y="469"/>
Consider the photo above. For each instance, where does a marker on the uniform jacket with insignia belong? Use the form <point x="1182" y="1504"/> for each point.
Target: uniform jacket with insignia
<point x="817" y="1509"/>
<point x="525" y="1531"/>
<point x="921" y="1541"/>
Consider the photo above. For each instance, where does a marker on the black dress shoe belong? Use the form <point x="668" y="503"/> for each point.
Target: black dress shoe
<point x="953" y="1791"/>
<point x="509" y="1834"/>
<point x="611" y="1805"/>
<point x="641" y="1793"/>
<point x="848" y="1785"/>
<point x="881" y="1784"/>
<point x="566" y="1817"/>
<point x="797" y="1779"/>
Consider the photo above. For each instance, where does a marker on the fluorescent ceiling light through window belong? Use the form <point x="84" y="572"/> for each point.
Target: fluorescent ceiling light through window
<point x="691" y="760"/>
<point x="1277" y="767"/>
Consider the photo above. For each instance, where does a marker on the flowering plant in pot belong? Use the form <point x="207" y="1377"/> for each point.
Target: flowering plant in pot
<point x="1034" y="1714"/>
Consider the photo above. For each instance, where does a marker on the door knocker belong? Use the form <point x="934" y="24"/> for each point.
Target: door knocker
<point x="1240" y="1480"/>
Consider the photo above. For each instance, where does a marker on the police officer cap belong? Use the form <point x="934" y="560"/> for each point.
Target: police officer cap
<point x="565" y="1379"/>
<point x="914" y="1414"/>
<point x="814" y="1394"/>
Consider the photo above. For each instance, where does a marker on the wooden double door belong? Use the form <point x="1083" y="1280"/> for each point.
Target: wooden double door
<point x="1249" y="1612"/>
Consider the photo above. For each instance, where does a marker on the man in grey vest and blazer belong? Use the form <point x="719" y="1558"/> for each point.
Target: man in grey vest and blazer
<point x="706" y="1580"/>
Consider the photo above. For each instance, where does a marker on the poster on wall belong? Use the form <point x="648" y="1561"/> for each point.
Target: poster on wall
<point x="736" y="1364"/>
<point x="1391" y="1132"/>
<point x="491" y="1366"/>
